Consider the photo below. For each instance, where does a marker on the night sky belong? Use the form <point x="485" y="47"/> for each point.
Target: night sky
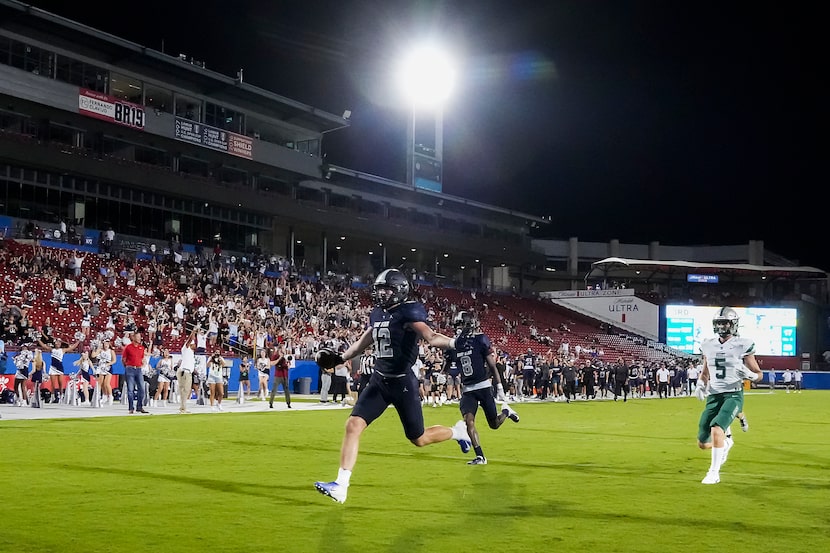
<point x="683" y="122"/>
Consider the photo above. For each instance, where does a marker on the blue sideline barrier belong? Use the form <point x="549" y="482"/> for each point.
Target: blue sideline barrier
<point x="812" y="380"/>
<point x="302" y="369"/>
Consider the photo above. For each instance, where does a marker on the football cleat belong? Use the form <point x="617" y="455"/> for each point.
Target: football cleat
<point x="464" y="442"/>
<point x="711" y="478"/>
<point x="479" y="460"/>
<point x="727" y="445"/>
<point x="333" y="490"/>
<point x="744" y="424"/>
<point x="509" y="412"/>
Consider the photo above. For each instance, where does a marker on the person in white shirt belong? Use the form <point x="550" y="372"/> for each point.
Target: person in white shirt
<point x="417" y="366"/>
<point x="787" y="377"/>
<point x="663" y="382"/>
<point x="201" y="341"/>
<point x="797" y="378"/>
<point x="184" y="374"/>
<point x="692" y="375"/>
<point x="79" y="259"/>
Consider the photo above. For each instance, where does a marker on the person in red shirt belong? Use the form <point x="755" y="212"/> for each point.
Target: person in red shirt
<point x="279" y="361"/>
<point x="132" y="357"/>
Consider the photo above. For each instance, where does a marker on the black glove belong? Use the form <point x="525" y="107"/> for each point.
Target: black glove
<point x="328" y="358"/>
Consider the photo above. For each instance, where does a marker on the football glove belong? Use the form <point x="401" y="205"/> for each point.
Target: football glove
<point x="747" y="374"/>
<point x="500" y="393"/>
<point x="701" y="390"/>
<point x="328" y="358"/>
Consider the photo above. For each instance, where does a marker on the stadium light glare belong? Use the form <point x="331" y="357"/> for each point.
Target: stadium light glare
<point x="426" y="76"/>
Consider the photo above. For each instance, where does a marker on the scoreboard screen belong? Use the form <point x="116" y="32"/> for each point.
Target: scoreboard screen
<point x="772" y="328"/>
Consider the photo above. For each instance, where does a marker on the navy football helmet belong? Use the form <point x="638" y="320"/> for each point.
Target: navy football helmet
<point x="465" y="321"/>
<point x="725" y="322"/>
<point x="391" y="287"/>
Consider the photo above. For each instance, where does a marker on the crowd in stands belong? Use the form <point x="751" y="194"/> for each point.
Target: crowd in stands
<point x="241" y="306"/>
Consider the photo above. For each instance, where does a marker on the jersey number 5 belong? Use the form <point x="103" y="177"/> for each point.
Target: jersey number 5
<point x="383" y="341"/>
<point x="720" y="367"/>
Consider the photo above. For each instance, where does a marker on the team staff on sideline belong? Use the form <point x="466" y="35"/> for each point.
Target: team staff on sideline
<point x="395" y="327"/>
<point x="133" y="357"/>
<point x="620" y="372"/>
<point x="728" y="359"/>
<point x="473" y="355"/>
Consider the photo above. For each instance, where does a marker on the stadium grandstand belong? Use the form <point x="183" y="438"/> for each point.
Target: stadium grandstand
<point x="140" y="190"/>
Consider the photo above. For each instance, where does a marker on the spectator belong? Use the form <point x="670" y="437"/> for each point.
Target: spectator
<point x="109" y="240"/>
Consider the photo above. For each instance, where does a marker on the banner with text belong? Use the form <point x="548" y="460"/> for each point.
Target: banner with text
<point x="213" y="138"/>
<point x="587" y="293"/>
<point x="625" y="311"/>
<point x="109" y="108"/>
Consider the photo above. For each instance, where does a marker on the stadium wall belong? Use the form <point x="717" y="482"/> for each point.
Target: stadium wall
<point x="813" y="380"/>
<point x="302" y="369"/>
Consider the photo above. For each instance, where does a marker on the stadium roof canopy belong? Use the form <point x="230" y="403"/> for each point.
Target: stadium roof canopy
<point x="648" y="269"/>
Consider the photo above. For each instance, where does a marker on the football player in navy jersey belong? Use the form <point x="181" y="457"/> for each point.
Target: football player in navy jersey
<point x="396" y="325"/>
<point x="474" y="355"/>
<point x="528" y="373"/>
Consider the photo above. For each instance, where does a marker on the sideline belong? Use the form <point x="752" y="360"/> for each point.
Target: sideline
<point x="59" y="411"/>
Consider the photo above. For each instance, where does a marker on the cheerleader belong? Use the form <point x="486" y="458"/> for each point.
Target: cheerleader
<point x="86" y="323"/>
<point x="164" y="369"/>
<point x="21" y="363"/>
<point x="148" y="377"/>
<point x="56" y="370"/>
<point x="38" y="367"/>
<point x="216" y="381"/>
<point x="245" y="376"/>
<point x="103" y="370"/>
<point x="85" y="369"/>
<point x="263" y="366"/>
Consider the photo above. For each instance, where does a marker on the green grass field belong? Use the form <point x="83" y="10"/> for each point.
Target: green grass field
<point x="599" y="476"/>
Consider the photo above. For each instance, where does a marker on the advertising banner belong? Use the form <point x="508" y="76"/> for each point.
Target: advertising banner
<point x="213" y="138"/>
<point x="108" y="108"/>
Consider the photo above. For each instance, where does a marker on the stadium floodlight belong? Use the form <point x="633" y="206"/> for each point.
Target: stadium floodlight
<point x="426" y="77"/>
